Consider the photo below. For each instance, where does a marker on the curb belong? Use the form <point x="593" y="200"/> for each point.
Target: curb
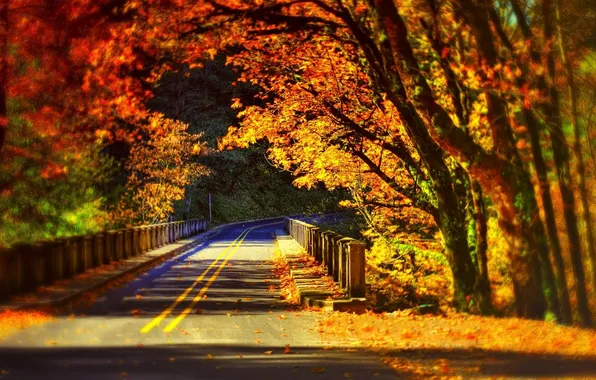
<point x="309" y="297"/>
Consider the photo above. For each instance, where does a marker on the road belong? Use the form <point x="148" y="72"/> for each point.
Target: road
<point x="210" y="313"/>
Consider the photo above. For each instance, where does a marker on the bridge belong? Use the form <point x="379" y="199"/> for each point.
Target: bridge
<point x="200" y="304"/>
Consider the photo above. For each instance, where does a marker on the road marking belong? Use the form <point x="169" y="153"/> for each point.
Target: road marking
<point x="157" y="320"/>
<point x="212" y="279"/>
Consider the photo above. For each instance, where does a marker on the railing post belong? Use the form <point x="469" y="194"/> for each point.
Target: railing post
<point x="316" y="244"/>
<point x="5" y="272"/>
<point x="162" y="235"/>
<point x="31" y="266"/>
<point x="153" y="236"/>
<point x="127" y="251"/>
<point x="343" y="262"/>
<point x="15" y="266"/>
<point x="54" y="260"/>
<point x="143" y="239"/>
<point x="86" y="258"/>
<point x="14" y="269"/>
<point x="119" y="245"/>
<point x="99" y="249"/>
<point x="335" y="254"/>
<point x="71" y="256"/>
<point x="136" y="241"/>
<point x="357" y="277"/>
<point x="167" y="233"/>
<point x="110" y="241"/>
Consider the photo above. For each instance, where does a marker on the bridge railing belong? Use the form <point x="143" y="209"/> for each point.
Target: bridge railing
<point x="342" y="257"/>
<point x="25" y="267"/>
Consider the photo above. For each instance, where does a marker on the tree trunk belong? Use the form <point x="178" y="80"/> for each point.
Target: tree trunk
<point x="522" y="199"/>
<point x="577" y="149"/>
<point x="561" y="158"/>
<point x="509" y="184"/>
<point x="482" y="285"/>
<point x="451" y="222"/>
<point x="549" y="215"/>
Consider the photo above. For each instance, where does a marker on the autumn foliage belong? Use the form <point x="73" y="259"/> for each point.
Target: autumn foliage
<point x="458" y="120"/>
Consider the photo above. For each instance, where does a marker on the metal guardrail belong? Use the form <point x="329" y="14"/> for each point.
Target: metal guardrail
<point x="24" y="267"/>
<point x="342" y="257"/>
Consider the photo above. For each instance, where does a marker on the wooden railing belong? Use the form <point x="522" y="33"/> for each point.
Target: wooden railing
<point x="24" y="267"/>
<point x="342" y="257"/>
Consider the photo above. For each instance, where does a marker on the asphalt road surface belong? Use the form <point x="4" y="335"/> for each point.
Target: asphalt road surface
<point x="210" y="313"/>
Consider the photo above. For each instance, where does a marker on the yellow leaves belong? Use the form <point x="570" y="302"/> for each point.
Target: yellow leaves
<point x="211" y="52"/>
<point x="13" y="321"/>
<point x="161" y="167"/>
<point x="236" y="103"/>
<point x="318" y="369"/>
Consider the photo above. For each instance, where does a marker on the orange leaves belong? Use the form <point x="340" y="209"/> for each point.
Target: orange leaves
<point x="137" y="312"/>
<point x="13" y="321"/>
<point x="237" y="104"/>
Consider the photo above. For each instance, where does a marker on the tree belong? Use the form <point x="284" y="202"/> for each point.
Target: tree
<point x="440" y="99"/>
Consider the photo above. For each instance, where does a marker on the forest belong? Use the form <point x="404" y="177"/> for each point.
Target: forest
<point x="459" y="133"/>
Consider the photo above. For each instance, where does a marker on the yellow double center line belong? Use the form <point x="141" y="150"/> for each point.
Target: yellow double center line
<point x="232" y="248"/>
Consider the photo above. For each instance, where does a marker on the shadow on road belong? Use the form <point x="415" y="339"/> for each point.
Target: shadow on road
<point x="239" y="362"/>
<point x="242" y="285"/>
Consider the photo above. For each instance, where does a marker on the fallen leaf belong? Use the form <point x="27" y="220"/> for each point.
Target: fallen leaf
<point x="138" y="296"/>
<point x="123" y="374"/>
<point x="268" y="352"/>
<point x="199" y="311"/>
<point x="287" y="350"/>
<point x="172" y="359"/>
<point x="140" y="345"/>
<point x="209" y="356"/>
<point x="257" y="331"/>
<point x="318" y="370"/>
<point x="282" y="316"/>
